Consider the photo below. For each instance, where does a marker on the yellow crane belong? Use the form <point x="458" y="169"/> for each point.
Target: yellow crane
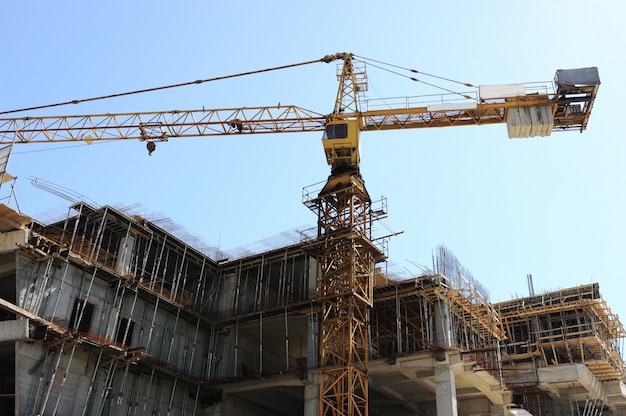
<point x="345" y="248"/>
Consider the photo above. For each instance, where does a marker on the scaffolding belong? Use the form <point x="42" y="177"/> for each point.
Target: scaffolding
<point x="403" y="319"/>
<point x="133" y="320"/>
<point x="150" y="293"/>
<point x="564" y="327"/>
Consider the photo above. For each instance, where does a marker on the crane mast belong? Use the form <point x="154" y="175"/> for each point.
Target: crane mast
<point x="346" y="255"/>
<point x="345" y="249"/>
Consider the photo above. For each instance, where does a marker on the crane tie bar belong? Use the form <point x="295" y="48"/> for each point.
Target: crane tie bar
<point x="327" y="58"/>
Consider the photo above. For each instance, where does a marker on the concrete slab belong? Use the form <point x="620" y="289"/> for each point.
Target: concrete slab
<point x="16" y="330"/>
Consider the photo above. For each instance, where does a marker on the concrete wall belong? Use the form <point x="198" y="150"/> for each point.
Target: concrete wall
<point x="67" y="390"/>
<point x="61" y="378"/>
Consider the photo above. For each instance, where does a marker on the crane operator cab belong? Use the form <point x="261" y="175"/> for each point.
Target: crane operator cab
<point x="341" y="146"/>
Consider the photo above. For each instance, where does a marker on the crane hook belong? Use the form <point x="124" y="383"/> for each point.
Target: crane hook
<point x="151" y="146"/>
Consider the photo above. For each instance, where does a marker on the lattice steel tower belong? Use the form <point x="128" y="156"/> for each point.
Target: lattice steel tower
<point x="346" y="254"/>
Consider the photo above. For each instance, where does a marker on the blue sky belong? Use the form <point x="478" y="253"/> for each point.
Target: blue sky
<point x="553" y="207"/>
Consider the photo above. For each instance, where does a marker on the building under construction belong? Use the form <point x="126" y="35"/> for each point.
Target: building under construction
<point x="107" y="313"/>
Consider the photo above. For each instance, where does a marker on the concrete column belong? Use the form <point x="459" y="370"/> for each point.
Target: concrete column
<point x="312" y="275"/>
<point x="312" y="394"/>
<point x="313" y="341"/>
<point x="124" y="257"/>
<point x="312" y="384"/>
<point x="216" y="410"/>
<point x="443" y="327"/>
<point x="445" y="389"/>
<point x="445" y="385"/>
<point x="499" y="410"/>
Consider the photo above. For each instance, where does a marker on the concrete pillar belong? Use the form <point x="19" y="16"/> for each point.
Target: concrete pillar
<point x="445" y="385"/>
<point x="498" y="410"/>
<point x="312" y="275"/>
<point x="312" y="385"/>
<point x="215" y="410"/>
<point x="443" y="327"/>
<point x="313" y="341"/>
<point x="124" y="257"/>
<point x="445" y="389"/>
<point x="312" y="394"/>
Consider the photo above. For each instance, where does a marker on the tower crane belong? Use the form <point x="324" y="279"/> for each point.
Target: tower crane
<point x="344" y="248"/>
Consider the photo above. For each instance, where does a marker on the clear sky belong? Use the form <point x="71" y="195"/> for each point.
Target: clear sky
<point x="552" y="207"/>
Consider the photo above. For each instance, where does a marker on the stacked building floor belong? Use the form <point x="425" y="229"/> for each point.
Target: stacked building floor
<point x="107" y="313"/>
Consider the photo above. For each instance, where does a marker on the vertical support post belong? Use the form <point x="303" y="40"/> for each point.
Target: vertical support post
<point x="312" y="394"/>
<point x="443" y="326"/>
<point x="398" y="324"/>
<point x="193" y="347"/>
<point x="169" y="350"/>
<point x="235" y="372"/>
<point x="92" y="384"/>
<point x="445" y="385"/>
<point x="261" y="344"/>
<point x="313" y="342"/>
<point x="445" y="389"/>
<point x="286" y="343"/>
<point x="54" y="369"/>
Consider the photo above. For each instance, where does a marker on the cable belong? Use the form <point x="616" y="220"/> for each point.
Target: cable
<point x="415" y="71"/>
<point x="427" y="83"/>
<point x="60" y="148"/>
<point x="200" y="81"/>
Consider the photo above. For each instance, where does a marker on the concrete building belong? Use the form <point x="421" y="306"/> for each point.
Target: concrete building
<point x="107" y="313"/>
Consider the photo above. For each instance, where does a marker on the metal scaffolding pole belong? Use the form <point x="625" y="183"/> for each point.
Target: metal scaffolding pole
<point x="108" y="382"/>
<point x="169" y="350"/>
<point x="178" y="276"/>
<point x="261" y="344"/>
<point x="156" y="266"/>
<point x="98" y="240"/>
<point x="286" y="342"/>
<point x="46" y="395"/>
<point x="171" y="402"/>
<point x="151" y="331"/>
<point x="193" y="347"/>
<point x="92" y="382"/>
<point x="236" y="351"/>
<point x="67" y="371"/>
<point x="147" y="396"/>
<point x="195" y="405"/>
<point x="40" y="364"/>
<point x="201" y="285"/>
<point x="210" y="350"/>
